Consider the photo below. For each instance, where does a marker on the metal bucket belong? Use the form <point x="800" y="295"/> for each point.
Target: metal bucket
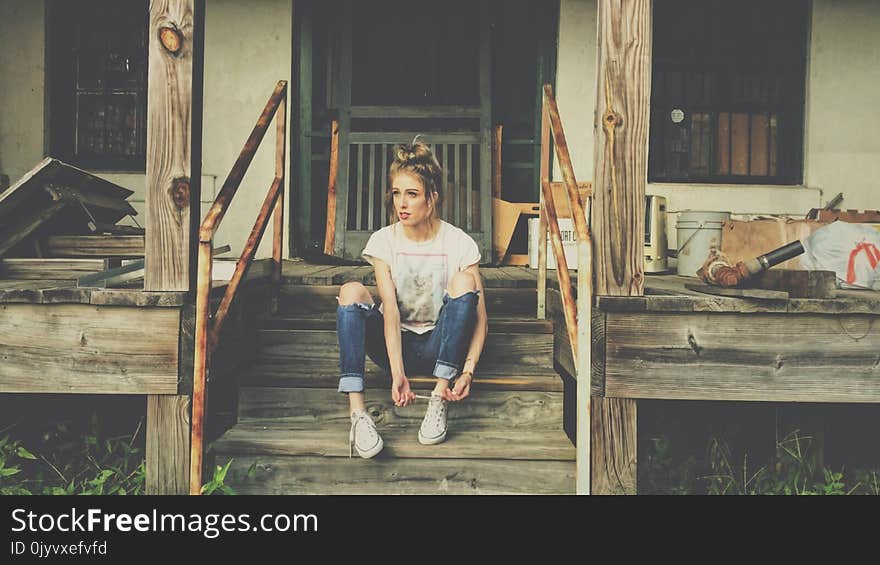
<point x="696" y="234"/>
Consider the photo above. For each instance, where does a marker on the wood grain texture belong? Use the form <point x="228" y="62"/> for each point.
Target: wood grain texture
<point x="169" y="148"/>
<point x="760" y="357"/>
<point x="521" y="352"/>
<point x="621" y="144"/>
<point x="316" y="299"/>
<point x="95" y="245"/>
<point x="73" y="348"/>
<point x="304" y="407"/>
<point x="400" y="442"/>
<point x="614" y="446"/>
<point x="320" y="475"/>
<point x="168" y="444"/>
<point x="39" y="269"/>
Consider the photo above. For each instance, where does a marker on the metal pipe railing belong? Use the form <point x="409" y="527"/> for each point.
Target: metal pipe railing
<point x="207" y="334"/>
<point x="578" y="312"/>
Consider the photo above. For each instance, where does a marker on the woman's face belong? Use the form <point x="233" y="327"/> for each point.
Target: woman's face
<point x="410" y="204"/>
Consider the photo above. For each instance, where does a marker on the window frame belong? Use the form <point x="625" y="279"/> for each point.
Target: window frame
<point x="722" y="70"/>
<point x="64" y="21"/>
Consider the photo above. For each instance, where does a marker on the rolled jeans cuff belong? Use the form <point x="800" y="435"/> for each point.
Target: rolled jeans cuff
<point x="445" y="370"/>
<point x="351" y="383"/>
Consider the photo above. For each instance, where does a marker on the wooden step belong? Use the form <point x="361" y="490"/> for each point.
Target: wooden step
<point x="250" y="438"/>
<point x="327" y="321"/>
<point x="382" y="475"/>
<point x="322" y="298"/>
<point x="304" y="407"/>
<point x="297" y="272"/>
<point x="516" y="352"/>
<point x="326" y="375"/>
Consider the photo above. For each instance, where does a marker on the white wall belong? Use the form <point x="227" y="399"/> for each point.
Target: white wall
<point x="843" y="115"/>
<point x="22" y="80"/>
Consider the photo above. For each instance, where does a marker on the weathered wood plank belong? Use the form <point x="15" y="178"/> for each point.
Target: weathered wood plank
<point x="326" y="375"/>
<point x="95" y="245"/>
<point x="562" y="357"/>
<point x="319" y="475"/>
<point x="41" y="269"/>
<point x="614" y="444"/>
<point x="525" y="352"/>
<point x="306" y="406"/>
<point x="317" y="299"/>
<point x="760" y="357"/>
<point x="168" y="444"/>
<point x="621" y="145"/>
<point x="171" y="141"/>
<point x="327" y="321"/>
<point x="400" y="442"/>
<point x="72" y="348"/>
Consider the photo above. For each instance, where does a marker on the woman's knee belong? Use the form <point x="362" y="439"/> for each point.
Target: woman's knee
<point x="461" y="283"/>
<point x="354" y="292"/>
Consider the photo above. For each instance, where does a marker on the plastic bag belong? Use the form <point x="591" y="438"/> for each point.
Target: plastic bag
<point x="852" y="251"/>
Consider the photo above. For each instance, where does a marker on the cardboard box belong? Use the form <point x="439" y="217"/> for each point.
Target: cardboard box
<point x="742" y="240"/>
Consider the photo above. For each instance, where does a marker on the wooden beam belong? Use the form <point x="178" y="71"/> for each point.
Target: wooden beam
<point x="621" y="144"/>
<point x="172" y="145"/>
<point x="622" y="113"/>
<point x="167" y="465"/>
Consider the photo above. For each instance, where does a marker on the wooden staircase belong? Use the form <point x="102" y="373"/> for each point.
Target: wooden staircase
<point x="292" y="424"/>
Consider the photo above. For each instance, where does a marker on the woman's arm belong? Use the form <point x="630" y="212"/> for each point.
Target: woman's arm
<point x="463" y="384"/>
<point x="400" y="391"/>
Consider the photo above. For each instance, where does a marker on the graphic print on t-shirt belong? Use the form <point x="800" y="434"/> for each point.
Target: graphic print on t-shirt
<point x="421" y="282"/>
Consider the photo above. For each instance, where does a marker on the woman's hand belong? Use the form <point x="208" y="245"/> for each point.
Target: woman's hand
<point x="401" y="393"/>
<point x="462" y="387"/>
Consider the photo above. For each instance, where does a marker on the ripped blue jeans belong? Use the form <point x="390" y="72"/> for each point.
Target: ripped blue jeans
<point x="440" y="352"/>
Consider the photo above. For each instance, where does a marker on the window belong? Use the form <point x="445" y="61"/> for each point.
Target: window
<point x="98" y="83"/>
<point x="727" y="100"/>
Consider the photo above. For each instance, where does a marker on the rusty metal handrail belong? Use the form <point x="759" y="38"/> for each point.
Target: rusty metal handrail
<point x="575" y="310"/>
<point x="207" y="336"/>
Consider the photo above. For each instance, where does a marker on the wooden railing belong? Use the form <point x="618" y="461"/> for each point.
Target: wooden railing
<point x="577" y="312"/>
<point x="207" y="332"/>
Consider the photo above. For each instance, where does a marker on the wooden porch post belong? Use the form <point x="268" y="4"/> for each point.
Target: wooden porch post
<point x="621" y="168"/>
<point x="172" y="207"/>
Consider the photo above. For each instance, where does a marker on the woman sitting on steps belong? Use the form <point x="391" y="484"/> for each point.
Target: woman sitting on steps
<point x="433" y="314"/>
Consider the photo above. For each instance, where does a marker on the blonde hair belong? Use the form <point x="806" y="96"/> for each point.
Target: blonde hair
<point x="418" y="160"/>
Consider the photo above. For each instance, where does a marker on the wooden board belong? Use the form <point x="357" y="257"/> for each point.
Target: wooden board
<point x="168" y="444"/>
<point x="73" y="348"/>
<point x="400" y="442"/>
<point x="304" y="407"/>
<point x="798" y="284"/>
<point x="319" y="475"/>
<point x="759" y="357"/>
<point x="520" y="352"/>
<point x="42" y="269"/>
<point x="756" y="293"/>
<point x="95" y="246"/>
<point x="317" y="299"/>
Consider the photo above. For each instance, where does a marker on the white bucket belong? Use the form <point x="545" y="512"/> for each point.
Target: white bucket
<point x="696" y="234"/>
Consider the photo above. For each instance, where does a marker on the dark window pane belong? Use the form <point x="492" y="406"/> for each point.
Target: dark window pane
<point x="728" y="91"/>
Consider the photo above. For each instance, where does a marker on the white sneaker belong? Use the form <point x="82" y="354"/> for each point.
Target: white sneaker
<point x="363" y="436"/>
<point x="433" y="428"/>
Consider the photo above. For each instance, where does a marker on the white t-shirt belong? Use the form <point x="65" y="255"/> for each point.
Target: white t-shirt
<point x="421" y="270"/>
